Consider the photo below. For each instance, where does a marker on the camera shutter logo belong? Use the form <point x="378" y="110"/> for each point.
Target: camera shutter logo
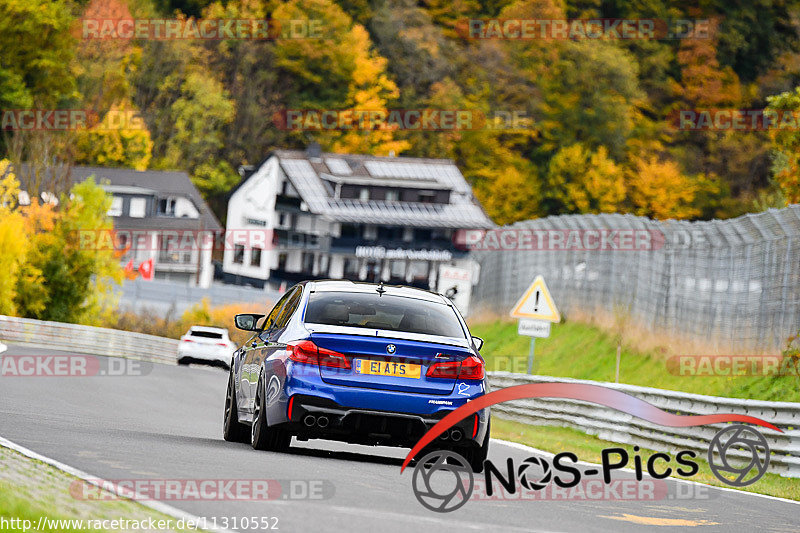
<point x="443" y="495"/>
<point x="525" y="474"/>
<point x="732" y="444"/>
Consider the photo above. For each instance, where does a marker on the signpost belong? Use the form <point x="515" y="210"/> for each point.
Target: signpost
<point x="535" y="310"/>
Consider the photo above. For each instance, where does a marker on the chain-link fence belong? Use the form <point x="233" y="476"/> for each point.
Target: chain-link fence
<point x="732" y="283"/>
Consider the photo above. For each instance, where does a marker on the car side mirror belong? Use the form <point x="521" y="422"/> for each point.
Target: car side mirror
<point x="478" y="342"/>
<point x="248" y="321"/>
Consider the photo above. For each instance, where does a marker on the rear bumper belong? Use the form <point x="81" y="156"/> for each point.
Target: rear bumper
<point x="190" y="354"/>
<point x="314" y="417"/>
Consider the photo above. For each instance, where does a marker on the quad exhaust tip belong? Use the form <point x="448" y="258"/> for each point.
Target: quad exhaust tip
<point x="309" y="420"/>
<point x="456" y="435"/>
<point x="322" y="421"/>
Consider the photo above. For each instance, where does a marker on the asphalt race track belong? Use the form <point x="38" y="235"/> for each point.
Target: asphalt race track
<point x="167" y="425"/>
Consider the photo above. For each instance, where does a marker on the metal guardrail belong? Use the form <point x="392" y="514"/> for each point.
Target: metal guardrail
<point x="88" y="339"/>
<point x="594" y="419"/>
<point x="614" y="426"/>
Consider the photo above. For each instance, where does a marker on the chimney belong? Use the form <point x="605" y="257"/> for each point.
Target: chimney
<point x="314" y="151"/>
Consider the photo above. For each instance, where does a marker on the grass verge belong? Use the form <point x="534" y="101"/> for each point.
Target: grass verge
<point x="583" y="351"/>
<point x="588" y="448"/>
<point x="30" y="490"/>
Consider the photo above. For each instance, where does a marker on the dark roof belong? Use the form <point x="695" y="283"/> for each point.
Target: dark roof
<point x="312" y="175"/>
<point x="163" y="182"/>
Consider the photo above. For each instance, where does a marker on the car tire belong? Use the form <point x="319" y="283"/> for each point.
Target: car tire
<point x="476" y="455"/>
<point x="232" y="429"/>
<point x="263" y="436"/>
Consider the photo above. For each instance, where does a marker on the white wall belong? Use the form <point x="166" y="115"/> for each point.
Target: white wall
<point x="255" y="200"/>
<point x="185" y="208"/>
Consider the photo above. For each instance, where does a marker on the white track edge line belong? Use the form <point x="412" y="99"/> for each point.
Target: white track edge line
<point x="527" y="448"/>
<point x="105" y="485"/>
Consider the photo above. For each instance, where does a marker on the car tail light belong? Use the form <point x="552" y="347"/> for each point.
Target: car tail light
<point x="475" y="427"/>
<point x="309" y="353"/>
<point x="469" y="368"/>
<point x="289" y="410"/>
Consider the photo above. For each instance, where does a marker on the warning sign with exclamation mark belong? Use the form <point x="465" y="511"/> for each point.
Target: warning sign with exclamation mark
<point x="536" y="303"/>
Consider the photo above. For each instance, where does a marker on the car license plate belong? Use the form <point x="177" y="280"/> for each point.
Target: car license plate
<point x="384" y="368"/>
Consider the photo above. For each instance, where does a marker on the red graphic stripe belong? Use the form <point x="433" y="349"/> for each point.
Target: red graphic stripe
<point x="578" y="391"/>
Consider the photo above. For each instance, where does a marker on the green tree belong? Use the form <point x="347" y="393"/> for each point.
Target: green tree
<point x="77" y="280"/>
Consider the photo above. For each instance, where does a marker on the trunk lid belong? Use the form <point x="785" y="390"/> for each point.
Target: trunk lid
<point x="375" y="365"/>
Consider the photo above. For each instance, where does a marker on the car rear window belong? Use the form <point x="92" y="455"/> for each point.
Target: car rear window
<point x="206" y="334"/>
<point x="389" y="312"/>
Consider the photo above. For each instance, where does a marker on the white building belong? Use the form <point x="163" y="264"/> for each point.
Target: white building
<point x="349" y="216"/>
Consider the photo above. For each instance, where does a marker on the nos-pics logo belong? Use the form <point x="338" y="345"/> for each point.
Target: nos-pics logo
<point x="443" y="480"/>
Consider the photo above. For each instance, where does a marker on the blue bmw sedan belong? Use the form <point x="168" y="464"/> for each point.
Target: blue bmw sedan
<point x="360" y="363"/>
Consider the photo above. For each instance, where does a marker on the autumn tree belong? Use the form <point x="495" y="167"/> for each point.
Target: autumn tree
<point x="786" y="143"/>
<point x="13" y="239"/>
<point x="580" y="180"/>
<point x="658" y="189"/>
<point x="341" y="71"/>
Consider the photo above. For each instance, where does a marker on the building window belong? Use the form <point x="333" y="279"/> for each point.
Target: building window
<point x="397" y="269"/>
<point x="255" y="257"/>
<point x="323" y="264"/>
<point x="308" y="262"/>
<point x="349" y="231"/>
<point x="427" y="197"/>
<point x="370" y="233"/>
<point x="166" y="206"/>
<point x="422" y="235"/>
<point x="390" y="233"/>
<point x="363" y="194"/>
<point x="282" y="262"/>
<point x="238" y="254"/>
<point x="392" y="195"/>
<point x="137" y="208"/>
<point x="418" y="270"/>
<point x="350" y="266"/>
<point x="116" y="207"/>
<point x="285" y="220"/>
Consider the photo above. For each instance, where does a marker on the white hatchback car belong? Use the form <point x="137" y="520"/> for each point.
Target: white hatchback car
<point x="204" y="344"/>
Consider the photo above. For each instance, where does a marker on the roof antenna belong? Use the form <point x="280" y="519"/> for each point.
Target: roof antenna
<point x="380" y="289"/>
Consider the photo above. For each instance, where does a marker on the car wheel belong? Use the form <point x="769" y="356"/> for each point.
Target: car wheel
<point x="476" y="455"/>
<point x="262" y="436"/>
<point x="232" y="429"/>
